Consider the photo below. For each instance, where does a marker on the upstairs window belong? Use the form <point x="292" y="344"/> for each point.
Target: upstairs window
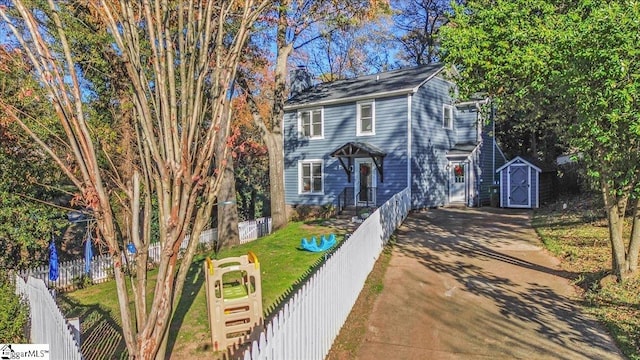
<point x="447" y="117"/>
<point x="310" y="177"/>
<point x="310" y="123"/>
<point x="366" y="118"/>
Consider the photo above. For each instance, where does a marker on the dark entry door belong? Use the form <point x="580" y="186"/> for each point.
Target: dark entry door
<point x="519" y="194"/>
<point x="365" y="181"/>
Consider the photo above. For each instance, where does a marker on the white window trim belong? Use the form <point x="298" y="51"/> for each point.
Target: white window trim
<point x="444" y="110"/>
<point x="300" y="186"/>
<point x="301" y="130"/>
<point x="373" y="118"/>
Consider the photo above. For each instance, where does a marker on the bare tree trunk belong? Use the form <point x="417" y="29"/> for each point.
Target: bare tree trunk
<point x="275" y="145"/>
<point x="634" y="242"/>
<point x="613" y="204"/>
<point x="228" y="233"/>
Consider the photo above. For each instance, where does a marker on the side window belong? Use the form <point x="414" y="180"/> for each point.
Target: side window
<point x="366" y="118"/>
<point x="310" y="177"/>
<point x="447" y="117"/>
<point x="310" y="123"/>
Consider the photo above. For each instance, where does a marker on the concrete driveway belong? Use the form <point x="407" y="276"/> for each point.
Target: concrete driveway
<point x="476" y="284"/>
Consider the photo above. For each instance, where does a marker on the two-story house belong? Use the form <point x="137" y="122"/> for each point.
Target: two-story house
<point x="368" y="138"/>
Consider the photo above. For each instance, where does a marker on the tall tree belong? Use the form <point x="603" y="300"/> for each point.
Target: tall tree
<point x="417" y="26"/>
<point x="180" y="60"/>
<point x="354" y="50"/>
<point x="29" y="183"/>
<point x="251" y="162"/>
<point x="227" y="207"/>
<point x="295" y="23"/>
<point x="575" y="64"/>
<point x="601" y="65"/>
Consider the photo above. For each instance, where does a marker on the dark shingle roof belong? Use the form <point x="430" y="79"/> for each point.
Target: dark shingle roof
<point x="400" y="81"/>
<point x="358" y="149"/>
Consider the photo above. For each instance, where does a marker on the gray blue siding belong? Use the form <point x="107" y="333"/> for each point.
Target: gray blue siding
<point x="490" y="159"/>
<point x="430" y="142"/>
<point x="466" y="125"/>
<point x="340" y="128"/>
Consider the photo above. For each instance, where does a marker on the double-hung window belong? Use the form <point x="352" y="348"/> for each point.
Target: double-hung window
<point x="310" y="123"/>
<point x="447" y="116"/>
<point x="366" y="124"/>
<point x="310" y="177"/>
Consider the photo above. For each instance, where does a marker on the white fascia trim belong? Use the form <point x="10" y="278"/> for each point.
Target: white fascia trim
<point x="472" y="103"/>
<point x="512" y="161"/>
<point x="435" y="73"/>
<point x="529" y="185"/>
<point x="537" y="188"/>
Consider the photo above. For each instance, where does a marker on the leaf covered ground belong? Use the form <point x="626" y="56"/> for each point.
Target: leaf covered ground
<point x="575" y="230"/>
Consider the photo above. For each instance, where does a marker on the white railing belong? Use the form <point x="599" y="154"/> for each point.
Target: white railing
<point x="309" y="322"/>
<point x="72" y="273"/>
<point x="48" y="326"/>
<point x="248" y="231"/>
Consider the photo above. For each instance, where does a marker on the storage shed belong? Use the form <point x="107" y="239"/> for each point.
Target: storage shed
<point x="525" y="183"/>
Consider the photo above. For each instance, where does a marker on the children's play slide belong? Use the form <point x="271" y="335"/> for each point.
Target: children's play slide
<point x="234" y="299"/>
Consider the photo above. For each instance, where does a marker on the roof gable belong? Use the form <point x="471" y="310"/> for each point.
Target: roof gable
<point x="402" y="81"/>
<point x="537" y="165"/>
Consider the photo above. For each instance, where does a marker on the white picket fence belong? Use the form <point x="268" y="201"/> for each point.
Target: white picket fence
<point x="309" y="322"/>
<point x="48" y="326"/>
<point x="71" y="272"/>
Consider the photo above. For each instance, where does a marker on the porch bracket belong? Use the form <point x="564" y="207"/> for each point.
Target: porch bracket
<point x="352" y="150"/>
<point x="379" y="162"/>
<point x="347" y="168"/>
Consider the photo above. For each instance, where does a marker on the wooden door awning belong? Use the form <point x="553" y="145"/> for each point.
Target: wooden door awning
<point x="352" y="150"/>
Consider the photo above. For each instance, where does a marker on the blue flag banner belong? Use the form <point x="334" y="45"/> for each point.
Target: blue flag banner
<point x="53" y="260"/>
<point x="88" y="254"/>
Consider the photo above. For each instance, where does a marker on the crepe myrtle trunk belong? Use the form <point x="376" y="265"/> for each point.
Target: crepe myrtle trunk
<point x="228" y="233"/>
<point x="276" y="170"/>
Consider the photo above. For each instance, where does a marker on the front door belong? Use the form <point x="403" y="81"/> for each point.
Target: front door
<point x="365" y="181"/>
<point x="458" y="185"/>
<point x="519" y="195"/>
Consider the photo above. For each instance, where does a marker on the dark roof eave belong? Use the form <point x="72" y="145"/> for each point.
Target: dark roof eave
<point x="358" y="150"/>
<point x="408" y="87"/>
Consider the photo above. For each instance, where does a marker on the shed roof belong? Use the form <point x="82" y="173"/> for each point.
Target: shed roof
<point x="395" y="82"/>
<point x="538" y="165"/>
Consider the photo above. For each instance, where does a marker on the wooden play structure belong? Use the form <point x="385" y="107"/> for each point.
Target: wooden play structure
<point x="234" y="299"/>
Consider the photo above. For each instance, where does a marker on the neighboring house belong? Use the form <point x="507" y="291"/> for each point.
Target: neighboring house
<point x="366" y="139"/>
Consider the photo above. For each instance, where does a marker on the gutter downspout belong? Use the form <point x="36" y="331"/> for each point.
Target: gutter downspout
<point x="493" y="148"/>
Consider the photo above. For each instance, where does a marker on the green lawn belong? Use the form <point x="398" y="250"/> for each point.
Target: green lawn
<point x="282" y="266"/>
<point x="579" y="236"/>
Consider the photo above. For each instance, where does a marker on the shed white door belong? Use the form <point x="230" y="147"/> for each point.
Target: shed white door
<point x="519" y="186"/>
<point x="457" y="183"/>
